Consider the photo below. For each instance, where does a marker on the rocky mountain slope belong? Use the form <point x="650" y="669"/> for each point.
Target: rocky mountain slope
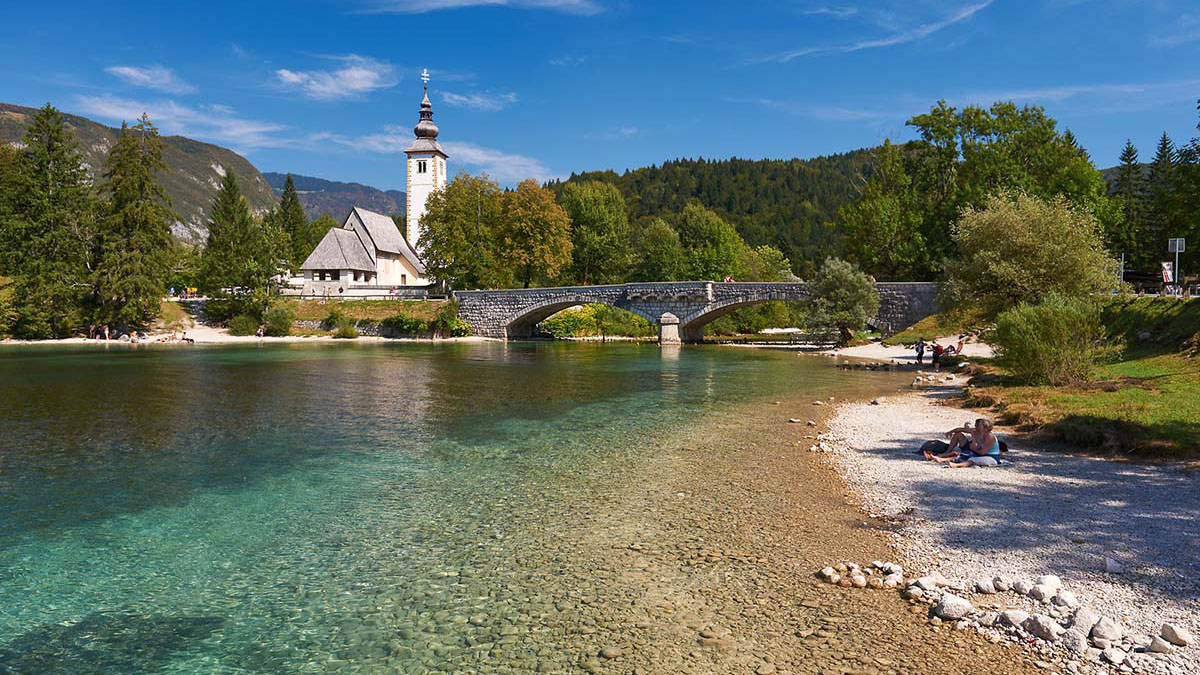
<point x="335" y="198"/>
<point x="194" y="168"/>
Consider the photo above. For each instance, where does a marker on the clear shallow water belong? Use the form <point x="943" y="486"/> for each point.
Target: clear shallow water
<point x="320" y="508"/>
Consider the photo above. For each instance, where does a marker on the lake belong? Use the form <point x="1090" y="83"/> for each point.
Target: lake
<point x="365" y="508"/>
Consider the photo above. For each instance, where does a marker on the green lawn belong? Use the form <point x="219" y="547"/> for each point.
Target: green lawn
<point x="364" y="310"/>
<point x="1146" y="404"/>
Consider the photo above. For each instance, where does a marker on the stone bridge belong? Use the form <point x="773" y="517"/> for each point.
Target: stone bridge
<point x="680" y="309"/>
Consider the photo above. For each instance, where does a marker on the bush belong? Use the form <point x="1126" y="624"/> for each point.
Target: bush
<point x="279" y="321"/>
<point x="335" y="318"/>
<point x="403" y="324"/>
<point x="448" y="324"/>
<point x="1018" y="249"/>
<point x="346" y="330"/>
<point x="1059" y="341"/>
<point x="243" y="324"/>
<point x="842" y="300"/>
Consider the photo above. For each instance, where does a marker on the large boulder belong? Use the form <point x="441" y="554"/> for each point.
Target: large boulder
<point x="1043" y="626"/>
<point x="1107" y="629"/>
<point x="1085" y="619"/>
<point x="1176" y="635"/>
<point x="1049" y="580"/>
<point x="952" y="607"/>
<point x="1013" y="617"/>
<point x="1075" y="641"/>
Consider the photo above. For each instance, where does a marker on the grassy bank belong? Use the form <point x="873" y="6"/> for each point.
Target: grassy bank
<point x="935" y="326"/>
<point x="364" y="310"/>
<point x="1146" y="403"/>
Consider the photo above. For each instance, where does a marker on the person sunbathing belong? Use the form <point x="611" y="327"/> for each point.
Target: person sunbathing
<point x="970" y="446"/>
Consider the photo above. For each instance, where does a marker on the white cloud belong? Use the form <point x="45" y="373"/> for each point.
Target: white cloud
<point x="1091" y="99"/>
<point x="357" y="75"/>
<point x="899" y="37"/>
<point x="151" y="77"/>
<point x="1185" y="30"/>
<point x="583" y="7"/>
<point x="480" y="100"/>
<point x="216" y="123"/>
<point x="616" y="134"/>
<point x="836" y="12"/>
<point x="503" y="166"/>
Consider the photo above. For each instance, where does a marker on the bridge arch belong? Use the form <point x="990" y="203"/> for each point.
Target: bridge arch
<point x="524" y="321"/>
<point x="691" y="327"/>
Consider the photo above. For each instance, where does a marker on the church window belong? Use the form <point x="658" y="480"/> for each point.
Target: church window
<point x="335" y="275"/>
<point x="403" y="279"/>
<point x="422" y="166"/>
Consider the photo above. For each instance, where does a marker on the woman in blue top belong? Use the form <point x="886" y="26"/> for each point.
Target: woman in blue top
<point x="976" y="446"/>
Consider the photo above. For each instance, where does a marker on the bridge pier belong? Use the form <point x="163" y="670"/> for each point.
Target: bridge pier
<point x="668" y="329"/>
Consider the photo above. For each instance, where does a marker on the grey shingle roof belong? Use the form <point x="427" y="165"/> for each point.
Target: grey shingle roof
<point x="385" y="236"/>
<point x="340" y="249"/>
<point x="426" y="145"/>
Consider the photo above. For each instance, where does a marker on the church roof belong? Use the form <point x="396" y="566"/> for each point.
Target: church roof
<point x="385" y="236"/>
<point x="340" y="249"/>
<point x="426" y="132"/>
<point x="426" y="145"/>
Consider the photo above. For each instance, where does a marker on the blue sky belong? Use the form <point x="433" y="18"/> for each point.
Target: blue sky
<point x="541" y="88"/>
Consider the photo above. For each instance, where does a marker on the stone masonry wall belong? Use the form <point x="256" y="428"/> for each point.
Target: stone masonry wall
<point x="515" y="312"/>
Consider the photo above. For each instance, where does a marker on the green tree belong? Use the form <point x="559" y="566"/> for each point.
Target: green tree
<point x="534" y="238"/>
<point x="766" y="263"/>
<point x="657" y="253"/>
<point x="842" y="299"/>
<point x="49" y="230"/>
<point x="712" y="247"/>
<point x="1128" y="187"/>
<point x="1021" y="249"/>
<point x="317" y="229"/>
<point x="599" y="232"/>
<point x="136" y="243"/>
<point x="293" y="226"/>
<point x="1160" y="216"/>
<point x="241" y="256"/>
<point x="459" y="241"/>
<point x="1058" y="341"/>
<point x="882" y="231"/>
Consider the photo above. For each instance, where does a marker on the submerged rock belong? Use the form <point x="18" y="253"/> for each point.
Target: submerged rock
<point x="951" y="606"/>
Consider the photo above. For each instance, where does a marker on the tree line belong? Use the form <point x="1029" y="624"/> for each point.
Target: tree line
<point x="80" y="251"/>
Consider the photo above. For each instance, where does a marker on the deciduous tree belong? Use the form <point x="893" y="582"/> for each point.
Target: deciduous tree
<point x="534" y="238"/>
<point x="459" y="241"/>
<point x="658" y="255"/>
<point x="599" y="232"/>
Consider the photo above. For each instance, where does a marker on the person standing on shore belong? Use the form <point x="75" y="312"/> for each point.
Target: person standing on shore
<point x="920" y="350"/>
<point x="936" y="359"/>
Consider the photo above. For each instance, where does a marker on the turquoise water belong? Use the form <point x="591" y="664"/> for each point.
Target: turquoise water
<point x="327" y="508"/>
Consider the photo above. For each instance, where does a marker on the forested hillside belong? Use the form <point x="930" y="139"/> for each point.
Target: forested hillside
<point x="320" y="196"/>
<point x="783" y="203"/>
<point x="193" y="169"/>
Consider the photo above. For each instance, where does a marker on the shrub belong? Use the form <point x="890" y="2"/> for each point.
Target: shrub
<point x="279" y="321"/>
<point x="842" y="300"/>
<point x="448" y="324"/>
<point x="346" y="330"/>
<point x="1059" y="341"/>
<point x="570" y="322"/>
<point x="243" y="324"/>
<point x="1019" y="249"/>
<point x="335" y="318"/>
<point x="403" y="324"/>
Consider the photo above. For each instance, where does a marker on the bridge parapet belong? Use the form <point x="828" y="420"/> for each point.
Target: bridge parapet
<point x="679" y="308"/>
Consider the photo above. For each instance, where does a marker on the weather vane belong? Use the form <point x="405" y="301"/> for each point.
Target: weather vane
<point x="425" y="76"/>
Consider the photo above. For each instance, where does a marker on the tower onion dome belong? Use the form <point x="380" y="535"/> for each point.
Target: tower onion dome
<point x="426" y="128"/>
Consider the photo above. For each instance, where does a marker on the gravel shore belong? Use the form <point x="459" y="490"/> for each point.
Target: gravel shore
<point x="1047" y="513"/>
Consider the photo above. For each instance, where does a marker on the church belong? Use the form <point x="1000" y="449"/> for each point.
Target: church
<point x="367" y="254"/>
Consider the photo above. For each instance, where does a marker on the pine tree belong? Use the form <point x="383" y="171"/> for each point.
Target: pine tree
<point x="1129" y="189"/>
<point x="50" y="230"/>
<point x="1160" y="216"/>
<point x="292" y="225"/>
<point x="239" y="258"/>
<point x="135" y="251"/>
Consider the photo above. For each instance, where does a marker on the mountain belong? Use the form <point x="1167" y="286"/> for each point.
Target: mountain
<point x="786" y="203"/>
<point x="194" y="169"/>
<point x="319" y="196"/>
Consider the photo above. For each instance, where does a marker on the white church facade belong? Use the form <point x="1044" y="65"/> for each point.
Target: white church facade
<point x="368" y="255"/>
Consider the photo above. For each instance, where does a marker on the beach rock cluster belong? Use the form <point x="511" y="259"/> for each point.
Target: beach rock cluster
<point x="1062" y="627"/>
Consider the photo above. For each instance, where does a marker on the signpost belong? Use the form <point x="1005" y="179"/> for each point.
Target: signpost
<point x="1175" y="246"/>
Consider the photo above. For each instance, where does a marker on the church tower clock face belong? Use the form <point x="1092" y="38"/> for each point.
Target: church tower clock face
<point x="426" y="171"/>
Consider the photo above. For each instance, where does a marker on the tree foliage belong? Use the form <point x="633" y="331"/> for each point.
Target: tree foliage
<point x="882" y="231"/>
<point x="1058" y="341"/>
<point x="712" y="249"/>
<point x="293" y="227"/>
<point x="657" y="252"/>
<point x="50" y="233"/>
<point x="241" y="257"/>
<point x="599" y="232"/>
<point x="1019" y="249"/>
<point x="459" y="241"/>
<point x="534" y="233"/>
<point x="136" y="247"/>
<point x="842" y="299"/>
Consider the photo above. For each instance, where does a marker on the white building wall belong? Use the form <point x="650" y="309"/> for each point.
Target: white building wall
<point x="419" y="187"/>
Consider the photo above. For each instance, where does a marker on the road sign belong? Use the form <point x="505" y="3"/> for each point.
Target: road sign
<point x="1168" y="273"/>
<point x="1176" y="245"/>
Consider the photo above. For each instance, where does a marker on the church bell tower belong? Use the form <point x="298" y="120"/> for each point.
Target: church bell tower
<point x="426" y="169"/>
